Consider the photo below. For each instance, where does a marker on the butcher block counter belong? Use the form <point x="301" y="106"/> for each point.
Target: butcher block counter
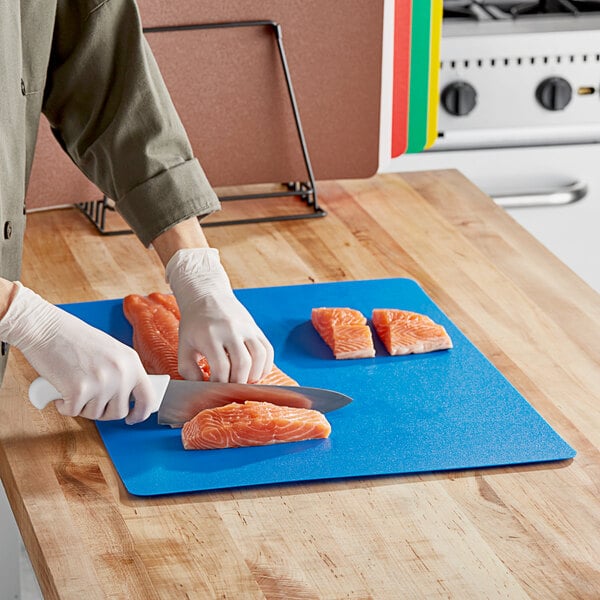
<point x="527" y="531"/>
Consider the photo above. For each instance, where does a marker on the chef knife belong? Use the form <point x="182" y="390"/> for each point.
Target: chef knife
<point x="183" y="400"/>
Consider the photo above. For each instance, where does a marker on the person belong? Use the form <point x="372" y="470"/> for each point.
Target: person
<point x="86" y="65"/>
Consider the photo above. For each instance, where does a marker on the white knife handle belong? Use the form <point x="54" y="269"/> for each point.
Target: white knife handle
<point x="42" y="392"/>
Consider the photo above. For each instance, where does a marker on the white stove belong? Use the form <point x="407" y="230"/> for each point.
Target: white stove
<point x="514" y="81"/>
<point x="520" y="116"/>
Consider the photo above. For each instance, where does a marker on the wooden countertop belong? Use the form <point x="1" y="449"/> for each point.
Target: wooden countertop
<point x="517" y="532"/>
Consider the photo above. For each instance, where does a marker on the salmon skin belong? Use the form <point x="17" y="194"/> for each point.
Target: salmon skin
<point x="252" y="424"/>
<point x="406" y="332"/>
<point x="155" y="322"/>
<point x="345" y="331"/>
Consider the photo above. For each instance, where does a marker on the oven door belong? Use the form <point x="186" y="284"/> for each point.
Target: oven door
<point x="553" y="191"/>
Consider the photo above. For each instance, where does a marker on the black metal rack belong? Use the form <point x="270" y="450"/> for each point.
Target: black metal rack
<point x="306" y="190"/>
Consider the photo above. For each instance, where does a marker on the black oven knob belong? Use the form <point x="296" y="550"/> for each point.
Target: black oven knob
<point x="554" y="93"/>
<point x="459" y="98"/>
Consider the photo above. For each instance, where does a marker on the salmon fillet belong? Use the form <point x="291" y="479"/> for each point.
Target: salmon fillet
<point x="155" y="334"/>
<point x="277" y="377"/>
<point x="345" y="331"/>
<point x="252" y="424"/>
<point x="405" y="332"/>
<point x="168" y="301"/>
<point x="155" y="322"/>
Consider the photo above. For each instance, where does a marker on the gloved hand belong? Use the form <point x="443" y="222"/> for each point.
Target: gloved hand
<point x="214" y="323"/>
<point x="94" y="373"/>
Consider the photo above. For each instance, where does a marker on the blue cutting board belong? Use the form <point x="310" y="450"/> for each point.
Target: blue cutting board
<point x="450" y="409"/>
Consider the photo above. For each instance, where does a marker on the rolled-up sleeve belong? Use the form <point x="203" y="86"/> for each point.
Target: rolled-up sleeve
<point x="110" y="110"/>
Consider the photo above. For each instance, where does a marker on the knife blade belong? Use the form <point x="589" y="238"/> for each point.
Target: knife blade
<point x="183" y="400"/>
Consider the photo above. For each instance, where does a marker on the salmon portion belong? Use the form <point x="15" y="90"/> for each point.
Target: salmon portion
<point x="345" y="331"/>
<point x="277" y="377"/>
<point x="168" y="301"/>
<point x="155" y="322"/>
<point x="405" y="332"/>
<point x="252" y="424"/>
<point x="155" y="334"/>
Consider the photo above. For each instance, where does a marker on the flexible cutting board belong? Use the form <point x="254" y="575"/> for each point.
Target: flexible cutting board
<point x="418" y="105"/>
<point x="431" y="412"/>
<point x="437" y="12"/>
<point x="401" y="76"/>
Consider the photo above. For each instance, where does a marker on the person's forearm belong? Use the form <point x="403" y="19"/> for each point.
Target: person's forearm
<point x="187" y="234"/>
<point x="7" y="292"/>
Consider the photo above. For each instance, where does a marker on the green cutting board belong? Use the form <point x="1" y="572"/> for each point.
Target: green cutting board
<point x="418" y="105"/>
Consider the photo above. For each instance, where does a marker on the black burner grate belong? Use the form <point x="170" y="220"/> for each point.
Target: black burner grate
<point x="552" y="7"/>
<point x="459" y="12"/>
<point x="465" y="10"/>
<point x="478" y="10"/>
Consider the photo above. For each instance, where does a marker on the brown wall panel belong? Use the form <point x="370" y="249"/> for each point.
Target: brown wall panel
<point x="229" y="89"/>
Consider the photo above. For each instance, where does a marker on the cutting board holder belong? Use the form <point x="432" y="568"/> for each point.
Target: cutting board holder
<point x="96" y="210"/>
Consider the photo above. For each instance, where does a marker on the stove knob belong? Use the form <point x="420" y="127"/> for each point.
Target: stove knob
<point x="459" y="98"/>
<point x="554" y="93"/>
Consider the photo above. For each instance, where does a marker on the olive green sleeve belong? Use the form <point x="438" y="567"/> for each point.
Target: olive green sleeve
<point x="110" y="110"/>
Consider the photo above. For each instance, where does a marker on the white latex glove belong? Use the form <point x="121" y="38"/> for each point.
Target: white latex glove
<point x="94" y="373"/>
<point x="214" y="323"/>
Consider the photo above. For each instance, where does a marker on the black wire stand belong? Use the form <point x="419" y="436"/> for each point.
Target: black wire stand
<point x="96" y="211"/>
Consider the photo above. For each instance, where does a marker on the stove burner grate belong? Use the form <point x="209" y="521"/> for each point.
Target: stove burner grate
<point x="459" y="12"/>
<point x="549" y="7"/>
<point x="464" y="10"/>
<point x="483" y="10"/>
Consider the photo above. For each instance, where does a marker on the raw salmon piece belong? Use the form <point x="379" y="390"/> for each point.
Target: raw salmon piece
<point x="325" y="319"/>
<point x="154" y="334"/>
<point x="277" y="377"/>
<point x="168" y="301"/>
<point x="345" y="331"/>
<point x="405" y="332"/>
<point x="155" y="322"/>
<point x="252" y="424"/>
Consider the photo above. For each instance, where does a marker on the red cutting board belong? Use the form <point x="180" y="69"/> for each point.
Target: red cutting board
<point x="401" y="77"/>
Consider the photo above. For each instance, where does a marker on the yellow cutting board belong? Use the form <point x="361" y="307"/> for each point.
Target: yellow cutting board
<point x="437" y="11"/>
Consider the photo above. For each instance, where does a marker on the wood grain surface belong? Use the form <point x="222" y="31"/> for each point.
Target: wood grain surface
<point x="518" y="532"/>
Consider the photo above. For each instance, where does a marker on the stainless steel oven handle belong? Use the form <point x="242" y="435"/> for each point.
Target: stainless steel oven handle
<point x="560" y="196"/>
